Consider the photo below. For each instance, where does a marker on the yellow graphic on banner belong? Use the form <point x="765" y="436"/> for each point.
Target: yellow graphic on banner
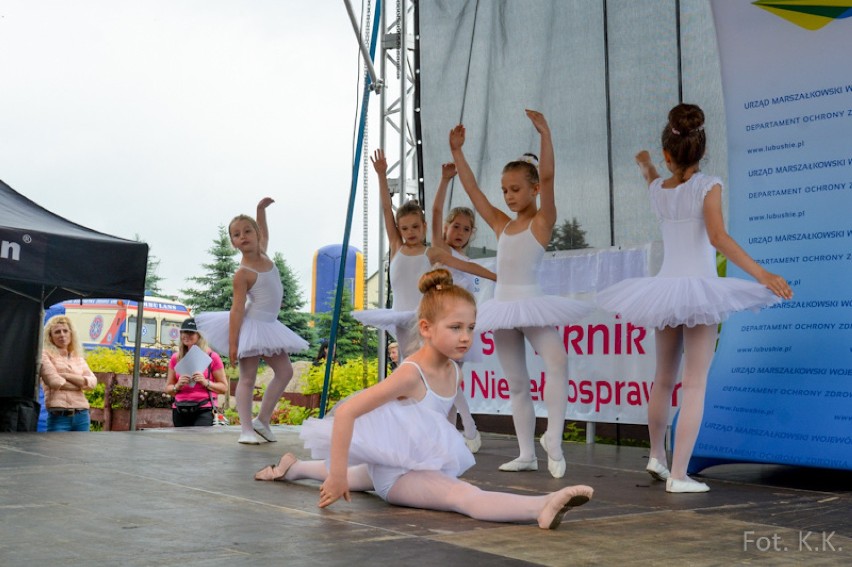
<point x="809" y="14"/>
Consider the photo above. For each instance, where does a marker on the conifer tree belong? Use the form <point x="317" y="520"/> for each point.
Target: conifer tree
<point x="290" y="314"/>
<point x="568" y="236"/>
<point x="214" y="290"/>
<point x="350" y="332"/>
<point x="152" y="278"/>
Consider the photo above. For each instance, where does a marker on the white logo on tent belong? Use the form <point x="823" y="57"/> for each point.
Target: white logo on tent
<point x="10" y="250"/>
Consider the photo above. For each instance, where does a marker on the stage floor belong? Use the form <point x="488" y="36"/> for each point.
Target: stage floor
<point x="187" y="497"/>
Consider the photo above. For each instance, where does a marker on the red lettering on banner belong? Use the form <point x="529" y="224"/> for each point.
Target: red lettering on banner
<point x="566" y="338"/>
<point x="488" y="385"/>
<point x="586" y="395"/>
<point x="537" y="388"/>
<point x="647" y="389"/>
<point x="674" y="394"/>
<point x="579" y="339"/>
<point x="487" y="342"/>
<point x="634" y="341"/>
<point x="604" y="394"/>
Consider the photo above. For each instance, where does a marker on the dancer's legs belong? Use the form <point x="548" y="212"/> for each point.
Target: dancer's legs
<point x="282" y="371"/>
<point x="512" y="354"/>
<point x="245" y="392"/>
<point x="357" y="476"/>
<point x="699" y="343"/>
<point x="433" y="490"/>
<point x="546" y="342"/>
<point x="669" y="345"/>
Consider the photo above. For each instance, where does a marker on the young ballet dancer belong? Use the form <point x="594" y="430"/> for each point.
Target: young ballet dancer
<point x="519" y="309"/>
<point x="687" y="300"/>
<point x="452" y="236"/>
<point x="406" y="232"/>
<point x="251" y="330"/>
<point x="394" y="438"/>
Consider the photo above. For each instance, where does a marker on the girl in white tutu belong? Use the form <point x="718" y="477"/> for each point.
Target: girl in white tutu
<point x="687" y="300"/>
<point x="394" y="438"/>
<point x="519" y="309"/>
<point x="406" y="232"/>
<point x="450" y="238"/>
<point x="251" y="330"/>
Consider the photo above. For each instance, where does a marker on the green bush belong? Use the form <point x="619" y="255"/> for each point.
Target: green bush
<point x="287" y="414"/>
<point x="104" y="359"/>
<point x="96" y="396"/>
<point x="347" y="378"/>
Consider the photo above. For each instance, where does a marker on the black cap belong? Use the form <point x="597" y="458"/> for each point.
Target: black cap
<point x="188" y="326"/>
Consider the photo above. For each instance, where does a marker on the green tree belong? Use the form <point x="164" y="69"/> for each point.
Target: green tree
<point x="291" y="314"/>
<point x="152" y="278"/>
<point x="214" y="291"/>
<point x="568" y="236"/>
<point x="350" y="333"/>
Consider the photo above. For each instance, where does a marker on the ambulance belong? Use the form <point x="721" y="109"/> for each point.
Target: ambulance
<point x="111" y="323"/>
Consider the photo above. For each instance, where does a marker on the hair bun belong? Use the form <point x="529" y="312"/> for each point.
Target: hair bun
<point x="529" y="158"/>
<point x="438" y="279"/>
<point x="686" y="119"/>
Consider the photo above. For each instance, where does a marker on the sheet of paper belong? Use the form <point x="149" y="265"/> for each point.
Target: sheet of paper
<point x="195" y="360"/>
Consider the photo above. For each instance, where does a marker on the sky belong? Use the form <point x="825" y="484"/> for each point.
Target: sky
<point x="164" y="119"/>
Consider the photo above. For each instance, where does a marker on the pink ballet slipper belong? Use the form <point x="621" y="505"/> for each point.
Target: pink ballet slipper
<point x="560" y="502"/>
<point x="276" y="472"/>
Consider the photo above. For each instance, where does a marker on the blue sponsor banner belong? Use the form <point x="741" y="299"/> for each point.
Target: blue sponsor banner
<point x="780" y="387"/>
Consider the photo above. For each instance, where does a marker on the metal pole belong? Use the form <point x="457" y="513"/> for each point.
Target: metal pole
<point x="356" y="163"/>
<point x="375" y="82"/>
<point x="403" y="58"/>
<point x="134" y="391"/>
<point x="380" y="271"/>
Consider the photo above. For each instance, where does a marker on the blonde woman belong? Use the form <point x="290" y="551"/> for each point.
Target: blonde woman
<point x="65" y="376"/>
<point x="196" y="395"/>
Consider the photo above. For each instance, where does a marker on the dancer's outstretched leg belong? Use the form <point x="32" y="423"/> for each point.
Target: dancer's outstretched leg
<point x="291" y="468"/>
<point x="512" y="353"/>
<point x="669" y="347"/>
<point x="433" y="490"/>
<point x="546" y="342"/>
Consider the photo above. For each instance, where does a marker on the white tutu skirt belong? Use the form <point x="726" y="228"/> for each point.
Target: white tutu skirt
<point x="672" y="301"/>
<point x="535" y="311"/>
<point x="257" y="338"/>
<point x="387" y="320"/>
<point x="400" y="435"/>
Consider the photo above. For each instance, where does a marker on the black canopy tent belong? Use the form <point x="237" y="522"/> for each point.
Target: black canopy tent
<point x="45" y="259"/>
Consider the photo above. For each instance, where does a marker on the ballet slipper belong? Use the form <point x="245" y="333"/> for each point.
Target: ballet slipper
<point x="276" y="472"/>
<point x="657" y="469"/>
<point x="560" y="502"/>
<point x="474" y="444"/>
<point x="518" y="465"/>
<point x="263" y="430"/>
<point x="249" y="438"/>
<point x="556" y="467"/>
<point x="685" y="486"/>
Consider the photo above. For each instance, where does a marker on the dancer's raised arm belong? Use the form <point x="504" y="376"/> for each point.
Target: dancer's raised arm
<point x="546" y="216"/>
<point x="380" y="164"/>
<point x="263" y="227"/>
<point x="495" y="218"/>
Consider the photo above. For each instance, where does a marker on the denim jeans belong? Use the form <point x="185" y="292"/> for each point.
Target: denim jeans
<point x="80" y="421"/>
